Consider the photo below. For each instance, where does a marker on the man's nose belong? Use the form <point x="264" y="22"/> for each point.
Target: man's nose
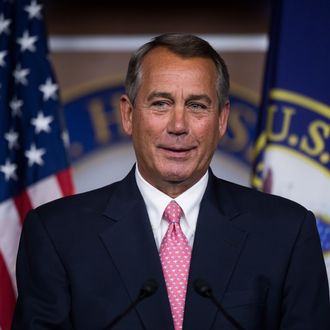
<point x="178" y="123"/>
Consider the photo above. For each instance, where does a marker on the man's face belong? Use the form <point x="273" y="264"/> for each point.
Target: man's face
<point x="175" y="123"/>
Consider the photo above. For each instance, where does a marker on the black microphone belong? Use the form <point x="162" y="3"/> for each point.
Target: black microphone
<point x="148" y="289"/>
<point x="203" y="289"/>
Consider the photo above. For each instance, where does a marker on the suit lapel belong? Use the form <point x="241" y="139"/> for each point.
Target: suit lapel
<point x="217" y="246"/>
<point x="130" y="243"/>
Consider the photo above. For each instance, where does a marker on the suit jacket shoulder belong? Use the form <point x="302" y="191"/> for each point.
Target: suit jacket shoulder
<point x="266" y="209"/>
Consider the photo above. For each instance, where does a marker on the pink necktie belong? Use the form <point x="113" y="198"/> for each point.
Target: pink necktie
<point x="175" y="253"/>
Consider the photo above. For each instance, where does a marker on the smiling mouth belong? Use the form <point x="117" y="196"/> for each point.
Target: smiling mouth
<point x="177" y="151"/>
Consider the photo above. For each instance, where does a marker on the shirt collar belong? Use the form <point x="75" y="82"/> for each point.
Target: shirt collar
<point x="156" y="201"/>
<point x="190" y="199"/>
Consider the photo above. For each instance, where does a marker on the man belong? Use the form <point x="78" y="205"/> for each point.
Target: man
<point x="83" y="259"/>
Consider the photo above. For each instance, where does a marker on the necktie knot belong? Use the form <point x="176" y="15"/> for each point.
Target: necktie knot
<point x="173" y="212"/>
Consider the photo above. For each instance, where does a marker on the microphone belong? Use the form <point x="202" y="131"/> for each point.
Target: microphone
<point x="148" y="289"/>
<point x="203" y="289"/>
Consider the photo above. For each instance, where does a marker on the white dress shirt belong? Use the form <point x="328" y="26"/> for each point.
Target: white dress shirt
<point x="156" y="202"/>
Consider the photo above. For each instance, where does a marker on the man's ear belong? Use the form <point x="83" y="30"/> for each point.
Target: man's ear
<point x="126" y="114"/>
<point x="223" y="119"/>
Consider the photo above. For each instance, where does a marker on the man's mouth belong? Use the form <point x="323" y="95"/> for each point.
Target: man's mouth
<point x="177" y="151"/>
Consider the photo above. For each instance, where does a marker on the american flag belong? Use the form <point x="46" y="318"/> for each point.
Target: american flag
<point x="34" y="165"/>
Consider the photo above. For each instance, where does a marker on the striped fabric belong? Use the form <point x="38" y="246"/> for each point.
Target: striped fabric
<point x="34" y="166"/>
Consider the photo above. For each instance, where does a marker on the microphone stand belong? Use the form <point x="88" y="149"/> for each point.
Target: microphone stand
<point x="147" y="290"/>
<point x="203" y="289"/>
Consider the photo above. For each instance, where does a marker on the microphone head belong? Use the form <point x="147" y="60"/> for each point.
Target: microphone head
<point x="148" y="288"/>
<point x="202" y="288"/>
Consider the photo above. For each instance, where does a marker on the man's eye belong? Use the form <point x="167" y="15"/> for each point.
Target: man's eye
<point x="161" y="105"/>
<point x="197" y="106"/>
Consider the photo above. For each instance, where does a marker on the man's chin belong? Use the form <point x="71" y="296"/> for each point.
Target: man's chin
<point x="177" y="177"/>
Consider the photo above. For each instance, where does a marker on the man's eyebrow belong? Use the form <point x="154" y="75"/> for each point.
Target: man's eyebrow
<point x="159" y="94"/>
<point x="198" y="97"/>
<point x="192" y="97"/>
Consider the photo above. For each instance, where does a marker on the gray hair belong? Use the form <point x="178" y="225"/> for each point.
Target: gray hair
<point x="185" y="46"/>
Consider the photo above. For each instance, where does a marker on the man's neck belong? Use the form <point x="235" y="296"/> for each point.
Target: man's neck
<point x="172" y="189"/>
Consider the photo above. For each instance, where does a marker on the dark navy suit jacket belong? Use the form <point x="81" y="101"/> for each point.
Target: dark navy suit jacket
<point x="82" y="260"/>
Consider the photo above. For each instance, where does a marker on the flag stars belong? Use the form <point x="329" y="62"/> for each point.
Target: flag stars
<point x="27" y="42"/>
<point x="42" y="123"/>
<point x="33" y="9"/>
<point x="9" y="170"/>
<point x="12" y="138"/>
<point x="2" y="58"/>
<point x="20" y="74"/>
<point x="34" y="155"/>
<point x="4" y="24"/>
<point x="49" y="90"/>
<point x="15" y="105"/>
